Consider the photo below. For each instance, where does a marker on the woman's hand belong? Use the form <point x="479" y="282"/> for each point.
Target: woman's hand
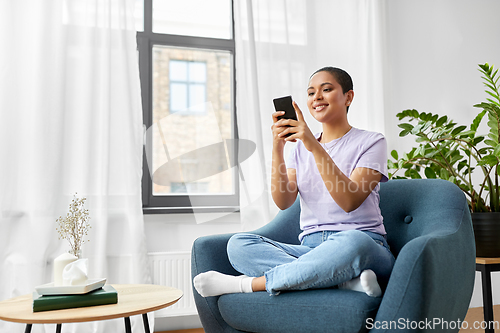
<point x="298" y="130"/>
<point x="278" y="141"/>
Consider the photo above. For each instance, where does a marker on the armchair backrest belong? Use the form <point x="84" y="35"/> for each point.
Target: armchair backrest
<point x="415" y="207"/>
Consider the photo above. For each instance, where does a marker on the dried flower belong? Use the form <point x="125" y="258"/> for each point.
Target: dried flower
<point x="75" y="226"/>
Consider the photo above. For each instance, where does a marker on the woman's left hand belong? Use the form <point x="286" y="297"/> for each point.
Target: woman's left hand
<point x="299" y="130"/>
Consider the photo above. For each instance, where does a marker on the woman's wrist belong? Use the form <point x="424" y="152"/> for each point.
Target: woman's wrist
<point x="278" y="148"/>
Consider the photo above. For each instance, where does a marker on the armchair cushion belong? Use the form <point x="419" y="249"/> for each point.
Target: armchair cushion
<point x="325" y="308"/>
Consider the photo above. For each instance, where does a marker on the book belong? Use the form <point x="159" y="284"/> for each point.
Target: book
<point x="105" y="295"/>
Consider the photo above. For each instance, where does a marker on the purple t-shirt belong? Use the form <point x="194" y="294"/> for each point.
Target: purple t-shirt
<point x="319" y="212"/>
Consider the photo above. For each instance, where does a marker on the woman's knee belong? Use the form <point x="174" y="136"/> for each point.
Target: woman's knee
<point x="373" y="254"/>
<point x="238" y="244"/>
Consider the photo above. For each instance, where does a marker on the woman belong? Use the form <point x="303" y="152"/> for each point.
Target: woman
<point x="337" y="173"/>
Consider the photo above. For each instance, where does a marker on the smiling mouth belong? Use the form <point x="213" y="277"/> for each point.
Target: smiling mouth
<point x="320" y="107"/>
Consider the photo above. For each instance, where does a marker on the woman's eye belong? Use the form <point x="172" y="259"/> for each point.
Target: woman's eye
<point x="310" y="94"/>
<point x="327" y="89"/>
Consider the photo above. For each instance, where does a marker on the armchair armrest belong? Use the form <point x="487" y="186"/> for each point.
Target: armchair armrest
<point x="432" y="279"/>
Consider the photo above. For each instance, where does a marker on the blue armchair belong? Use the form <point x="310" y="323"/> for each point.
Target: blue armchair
<point x="430" y="232"/>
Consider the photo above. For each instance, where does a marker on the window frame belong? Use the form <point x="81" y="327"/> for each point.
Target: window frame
<point x="146" y="40"/>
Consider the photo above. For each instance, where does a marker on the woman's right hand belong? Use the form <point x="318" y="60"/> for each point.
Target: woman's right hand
<point x="278" y="142"/>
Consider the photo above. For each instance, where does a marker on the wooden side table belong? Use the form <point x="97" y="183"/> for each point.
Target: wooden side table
<point x="133" y="299"/>
<point x="486" y="266"/>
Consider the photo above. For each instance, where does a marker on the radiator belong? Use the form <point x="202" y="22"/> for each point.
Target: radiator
<point x="173" y="269"/>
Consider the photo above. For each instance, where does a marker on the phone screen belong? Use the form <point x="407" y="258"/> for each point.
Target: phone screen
<point x="285" y="104"/>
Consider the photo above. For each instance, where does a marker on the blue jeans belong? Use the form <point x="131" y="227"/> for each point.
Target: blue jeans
<point x="323" y="260"/>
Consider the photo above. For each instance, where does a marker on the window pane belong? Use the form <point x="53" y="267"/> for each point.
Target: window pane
<point x="178" y="97"/>
<point x="178" y="70"/>
<point x="189" y="153"/>
<point x="197" y="72"/>
<point x="193" y="18"/>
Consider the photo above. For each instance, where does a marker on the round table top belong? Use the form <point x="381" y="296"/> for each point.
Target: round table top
<point x="133" y="299"/>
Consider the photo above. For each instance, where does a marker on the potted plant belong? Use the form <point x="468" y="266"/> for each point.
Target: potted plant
<point x="453" y="152"/>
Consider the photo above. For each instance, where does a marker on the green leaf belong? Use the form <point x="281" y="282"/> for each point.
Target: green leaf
<point x="492" y="94"/>
<point x="455" y="158"/>
<point x="477" y="121"/>
<point x="490" y="160"/>
<point x="394" y="154"/>
<point x="404" y="133"/>
<point x="493" y="124"/>
<point x="441" y="121"/>
<point x="462" y="164"/>
<point x="493" y="141"/>
<point x="484" y="150"/>
<point x="466" y="134"/>
<point x="458" y="130"/>
<point x="429" y="173"/>
<point x="432" y="153"/>
<point x="414" y="174"/>
<point x="477" y="140"/>
<point x="417" y="129"/>
<point x="420" y="150"/>
<point x="444" y="174"/>
<point x="406" y="126"/>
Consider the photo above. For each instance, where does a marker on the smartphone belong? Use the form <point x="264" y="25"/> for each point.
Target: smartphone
<point x="285" y="104"/>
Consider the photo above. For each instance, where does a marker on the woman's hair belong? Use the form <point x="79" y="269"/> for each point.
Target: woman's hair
<point x="342" y="77"/>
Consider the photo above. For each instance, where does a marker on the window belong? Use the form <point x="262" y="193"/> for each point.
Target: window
<point x="186" y="61"/>
<point x="188" y="81"/>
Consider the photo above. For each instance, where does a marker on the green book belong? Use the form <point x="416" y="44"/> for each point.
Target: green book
<point x="105" y="295"/>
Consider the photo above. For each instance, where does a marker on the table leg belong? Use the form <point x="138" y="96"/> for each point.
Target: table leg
<point x="146" y="322"/>
<point x="58" y="328"/>
<point x="128" y="327"/>
<point x="487" y="298"/>
<point x="28" y="328"/>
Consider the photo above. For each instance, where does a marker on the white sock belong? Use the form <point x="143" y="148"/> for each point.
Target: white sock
<point x="366" y="282"/>
<point x="213" y="283"/>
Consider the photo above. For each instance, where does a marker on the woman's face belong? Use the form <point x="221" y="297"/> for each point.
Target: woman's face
<point x="325" y="98"/>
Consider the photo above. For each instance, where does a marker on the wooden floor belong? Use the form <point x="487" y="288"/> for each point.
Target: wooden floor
<point x="473" y="315"/>
<point x="476" y="315"/>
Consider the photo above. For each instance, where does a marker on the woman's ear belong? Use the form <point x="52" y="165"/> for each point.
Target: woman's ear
<point x="350" y="97"/>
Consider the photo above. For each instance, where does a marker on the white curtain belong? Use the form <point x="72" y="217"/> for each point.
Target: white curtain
<point x="70" y="122"/>
<point x="279" y="44"/>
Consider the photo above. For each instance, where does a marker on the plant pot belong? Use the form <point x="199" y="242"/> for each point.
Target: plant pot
<point x="487" y="234"/>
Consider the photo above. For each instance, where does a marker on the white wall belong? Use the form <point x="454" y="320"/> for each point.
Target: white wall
<point x="433" y="51"/>
<point x="433" y="48"/>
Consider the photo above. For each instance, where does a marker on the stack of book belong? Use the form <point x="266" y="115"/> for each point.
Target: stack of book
<point x="105" y="295"/>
